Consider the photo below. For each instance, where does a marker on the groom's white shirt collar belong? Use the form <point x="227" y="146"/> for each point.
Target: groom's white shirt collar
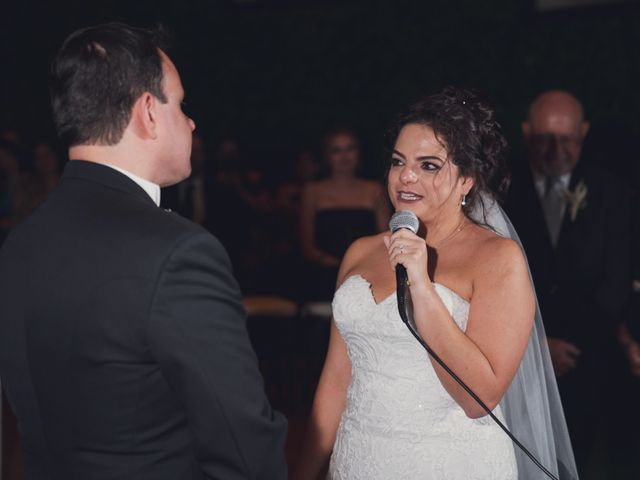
<point x="151" y="188"/>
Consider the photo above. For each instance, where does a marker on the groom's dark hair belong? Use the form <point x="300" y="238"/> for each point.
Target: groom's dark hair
<point x="97" y="76"/>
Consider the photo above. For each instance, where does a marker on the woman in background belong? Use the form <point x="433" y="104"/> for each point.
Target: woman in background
<point x="337" y="211"/>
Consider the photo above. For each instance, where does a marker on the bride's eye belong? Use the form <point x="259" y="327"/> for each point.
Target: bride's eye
<point x="430" y="166"/>
<point x="395" y="162"/>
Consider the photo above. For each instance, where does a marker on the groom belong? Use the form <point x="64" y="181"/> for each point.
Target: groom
<point x="123" y="346"/>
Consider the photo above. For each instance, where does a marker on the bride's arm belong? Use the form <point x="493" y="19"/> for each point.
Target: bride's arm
<point x="327" y="409"/>
<point x="487" y="355"/>
<point x="331" y="394"/>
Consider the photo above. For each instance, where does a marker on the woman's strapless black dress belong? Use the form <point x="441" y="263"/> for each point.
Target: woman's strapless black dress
<point x="335" y="230"/>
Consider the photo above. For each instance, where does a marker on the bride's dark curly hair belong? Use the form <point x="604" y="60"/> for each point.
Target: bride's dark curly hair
<point x="466" y="126"/>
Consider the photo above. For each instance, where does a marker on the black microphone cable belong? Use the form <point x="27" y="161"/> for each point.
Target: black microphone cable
<point x="403" y="308"/>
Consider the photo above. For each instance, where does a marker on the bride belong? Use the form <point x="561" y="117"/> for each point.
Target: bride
<point x="383" y="408"/>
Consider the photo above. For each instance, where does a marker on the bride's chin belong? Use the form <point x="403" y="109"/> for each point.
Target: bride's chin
<point x="414" y="207"/>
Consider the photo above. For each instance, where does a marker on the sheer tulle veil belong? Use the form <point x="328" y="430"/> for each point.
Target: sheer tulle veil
<point x="532" y="406"/>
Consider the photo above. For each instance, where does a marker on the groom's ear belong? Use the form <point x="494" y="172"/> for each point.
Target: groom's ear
<point x="144" y="117"/>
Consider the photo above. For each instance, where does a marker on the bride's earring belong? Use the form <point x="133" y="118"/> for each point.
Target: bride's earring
<point x="464" y="200"/>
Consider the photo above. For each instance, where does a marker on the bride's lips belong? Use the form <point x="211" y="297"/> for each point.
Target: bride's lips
<point x="405" y="196"/>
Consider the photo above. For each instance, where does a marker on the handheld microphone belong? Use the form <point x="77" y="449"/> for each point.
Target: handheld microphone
<point x="403" y="219"/>
<point x="408" y="220"/>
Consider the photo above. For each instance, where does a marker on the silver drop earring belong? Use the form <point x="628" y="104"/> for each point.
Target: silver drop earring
<point x="464" y="200"/>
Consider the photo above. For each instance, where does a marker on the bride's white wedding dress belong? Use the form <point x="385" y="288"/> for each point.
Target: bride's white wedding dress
<point x="399" y="421"/>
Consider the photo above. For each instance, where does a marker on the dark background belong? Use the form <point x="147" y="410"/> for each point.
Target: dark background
<point x="275" y="73"/>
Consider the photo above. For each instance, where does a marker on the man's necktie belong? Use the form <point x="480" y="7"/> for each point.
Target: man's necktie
<point x="553" y="205"/>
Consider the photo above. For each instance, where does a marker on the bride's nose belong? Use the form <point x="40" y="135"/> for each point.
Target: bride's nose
<point x="408" y="176"/>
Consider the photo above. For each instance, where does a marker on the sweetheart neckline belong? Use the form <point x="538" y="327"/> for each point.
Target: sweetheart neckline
<point x="393" y="294"/>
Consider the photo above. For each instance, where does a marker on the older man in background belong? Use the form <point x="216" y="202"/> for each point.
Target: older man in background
<point x="573" y="220"/>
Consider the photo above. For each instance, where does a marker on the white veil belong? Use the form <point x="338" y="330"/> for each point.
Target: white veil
<point x="532" y="406"/>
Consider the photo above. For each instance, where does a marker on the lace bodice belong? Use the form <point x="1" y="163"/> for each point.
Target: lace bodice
<point x="399" y="421"/>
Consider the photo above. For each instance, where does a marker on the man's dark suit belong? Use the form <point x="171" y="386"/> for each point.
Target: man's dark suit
<point x="123" y="345"/>
<point x="582" y="284"/>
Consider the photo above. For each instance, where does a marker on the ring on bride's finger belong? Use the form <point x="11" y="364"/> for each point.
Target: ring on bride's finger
<point x="401" y="248"/>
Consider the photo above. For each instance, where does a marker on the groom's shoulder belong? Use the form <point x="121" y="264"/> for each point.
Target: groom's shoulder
<point x="171" y="230"/>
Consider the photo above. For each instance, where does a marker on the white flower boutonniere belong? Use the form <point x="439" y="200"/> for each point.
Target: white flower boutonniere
<point x="577" y="199"/>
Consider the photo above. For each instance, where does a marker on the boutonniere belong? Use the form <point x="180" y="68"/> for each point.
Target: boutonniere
<point x="577" y="199"/>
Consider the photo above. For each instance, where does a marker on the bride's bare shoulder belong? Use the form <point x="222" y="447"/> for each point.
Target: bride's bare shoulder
<point x="360" y="252"/>
<point x="365" y="245"/>
<point x="497" y="255"/>
<point x="501" y="275"/>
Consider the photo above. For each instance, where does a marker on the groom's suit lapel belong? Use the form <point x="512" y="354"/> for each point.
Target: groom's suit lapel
<point x="106" y="176"/>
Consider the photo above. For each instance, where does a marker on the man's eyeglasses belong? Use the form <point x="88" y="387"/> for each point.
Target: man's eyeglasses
<point x="547" y="140"/>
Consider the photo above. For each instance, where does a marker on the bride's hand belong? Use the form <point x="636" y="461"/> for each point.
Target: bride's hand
<point x="410" y="250"/>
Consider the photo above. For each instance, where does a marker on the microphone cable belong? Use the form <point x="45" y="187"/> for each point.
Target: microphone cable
<point x="403" y="308"/>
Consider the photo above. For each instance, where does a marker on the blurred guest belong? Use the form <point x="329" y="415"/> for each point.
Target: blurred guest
<point x="337" y="211"/>
<point x="634" y="304"/>
<point x="10" y="199"/>
<point x="286" y="258"/>
<point x="228" y="160"/>
<point x="224" y="218"/>
<point x="44" y="177"/>
<point x="11" y="187"/>
<point x="306" y="169"/>
<point x="238" y="212"/>
<point x="629" y="333"/>
<point x="12" y="465"/>
<point x="11" y="135"/>
<point x="244" y="177"/>
<point x="625" y="422"/>
<point x="188" y="198"/>
<point x="574" y="223"/>
<point x="626" y="147"/>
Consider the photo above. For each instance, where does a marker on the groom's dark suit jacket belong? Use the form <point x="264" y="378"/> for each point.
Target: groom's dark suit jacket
<point x="583" y="283"/>
<point x="123" y="345"/>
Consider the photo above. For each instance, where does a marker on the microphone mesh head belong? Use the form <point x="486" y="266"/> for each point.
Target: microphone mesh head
<point x="404" y="219"/>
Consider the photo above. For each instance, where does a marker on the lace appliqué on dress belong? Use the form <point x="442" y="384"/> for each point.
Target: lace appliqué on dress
<point x="399" y="421"/>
